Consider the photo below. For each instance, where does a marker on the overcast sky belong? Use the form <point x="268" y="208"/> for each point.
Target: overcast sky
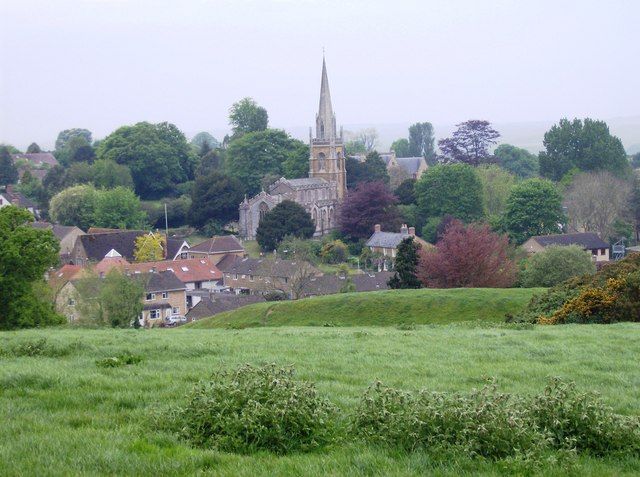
<point x="100" y="64"/>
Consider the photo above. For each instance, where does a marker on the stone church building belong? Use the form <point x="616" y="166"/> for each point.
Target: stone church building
<point x="323" y="191"/>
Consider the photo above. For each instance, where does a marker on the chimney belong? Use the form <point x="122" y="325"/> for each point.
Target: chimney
<point x="412" y="231"/>
<point x="404" y="229"/>
<point x="377" y="228"/>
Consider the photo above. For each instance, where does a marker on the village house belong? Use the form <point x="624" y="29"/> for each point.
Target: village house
<point x="216" y="248"/>
<point x="386" y="244"/>
<point x="221" y="302"/>
<point x="9" y="196"/>
<point x="37" y="160"/>
<point x="165" y="296"/>
<point x="93" y="247"/>
<point x="413" y="167"/>
<point x="589" y="241"/>
<point x="66" y="235"/>
<point x="362" y="282"/>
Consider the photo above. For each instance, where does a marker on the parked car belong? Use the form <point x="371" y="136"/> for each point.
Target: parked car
<point x="174" y="320"/>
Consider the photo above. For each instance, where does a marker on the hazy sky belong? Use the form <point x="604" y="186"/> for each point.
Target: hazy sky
<point x="100" y="64"/>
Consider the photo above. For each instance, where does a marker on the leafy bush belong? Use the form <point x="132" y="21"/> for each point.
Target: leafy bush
<point x="555" y="265"/>
<point x="493" y="425"/>
<point x="42" y="347"/>
<point x="335" y="251"/>
<point x="122" y="359"/>
<point x="253" y="409"/>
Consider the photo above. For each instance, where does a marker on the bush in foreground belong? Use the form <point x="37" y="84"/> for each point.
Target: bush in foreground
<point x="556" y="264"/>
<point x="253" y="409"/>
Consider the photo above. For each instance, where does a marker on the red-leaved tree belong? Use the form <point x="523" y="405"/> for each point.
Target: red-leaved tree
<point x="467" y="256"/>
<point x="370" y="203"/>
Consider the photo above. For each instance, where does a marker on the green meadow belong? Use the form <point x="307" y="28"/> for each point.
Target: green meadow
<point x="64" y="413"/>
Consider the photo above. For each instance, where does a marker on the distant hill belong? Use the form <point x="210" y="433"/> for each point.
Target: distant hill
<point x="380" y="308"/>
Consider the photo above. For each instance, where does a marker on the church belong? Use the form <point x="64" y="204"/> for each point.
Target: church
<point x="325" y="188"/>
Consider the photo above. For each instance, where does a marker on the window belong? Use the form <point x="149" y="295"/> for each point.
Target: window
<point x="235" y="277"/>
<point x="151" y="296"/>
<point x="175" y="310"/>
<point x="250" y="278"/>
<point x="154" y="314"/>
<point x="71" y="302"/>
<point x="321" y="161"/>
<point x="183" y="255"/>
<point x="165" y="295"/>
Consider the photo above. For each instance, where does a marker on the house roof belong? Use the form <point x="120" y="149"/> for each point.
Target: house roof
<point x="160" y="281"/>
<point x="363" y="282"/>
<point x="60" y="231"/>
<point x="226" y="263"/>
<point x="218" y="244"/>
<point x="97" y="245"/>
<point x="302" y="183"/>
<point x="264" y="267"/>
<point x="586" y="240"/>
<point x="108" y="263"/>
<point x="219" y="302"/>
<point x="37" y="158"/>
<point x="371" y="281"/>
<point x="411" y="164"/>
<point x="187" y="270"/>
<point x="16" y="198"/>
<point x="58" y="278"/>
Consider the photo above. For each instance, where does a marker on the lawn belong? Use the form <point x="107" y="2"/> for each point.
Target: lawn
<point x="382" y="308"/>
<point x="62" y="414"/>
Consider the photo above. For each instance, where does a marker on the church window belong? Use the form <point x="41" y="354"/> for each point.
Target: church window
<point x="321" y="161"/>
<point x="264" y="208"/>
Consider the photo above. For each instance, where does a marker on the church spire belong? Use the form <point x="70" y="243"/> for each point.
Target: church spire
<point x="325" y="120"/>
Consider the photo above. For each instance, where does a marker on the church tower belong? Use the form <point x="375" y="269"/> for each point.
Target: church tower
<point x="327" y="148"/>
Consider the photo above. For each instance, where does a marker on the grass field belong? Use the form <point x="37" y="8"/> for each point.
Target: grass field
<point x="383" y="308"/>
<point x="62" y="414"/>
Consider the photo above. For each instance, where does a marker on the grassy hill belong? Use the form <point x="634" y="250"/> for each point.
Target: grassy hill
<point x="64" y="414"/>
<point x="382" y="308"/>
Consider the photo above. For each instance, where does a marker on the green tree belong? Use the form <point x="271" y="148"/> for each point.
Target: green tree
<point x="635" y="160"/>
<point x="65" y="136"/>
<point x="246" y="116"/>
<point x="158" y="156"/>
<point x="421" y="141"/>
<point x="335" y="251"/>
<point x="401" y="147"/>
<point x="74" y="206"/>
<point x="294" y="248"/>
<point x="25" y="254"/>
<point x="406" y="192"/>
<point x="8" y="170"/>
<point x="373" y="169"/>
<point x="211" y="161"/>
<point x="585" y="145"/>
<point x="556" y="264"/>
<point x="33" y="148"/>
<point x="453" y="189"/>
<point x="121" y="299"/>
<point x="518" y="161"/>
<point x="496" y="187"/>
<point x="354" y="146"/>
<point x="534" y="208"/>
<point x="216" y="196"/>
<point x="31" y="187"/>
<point x="286" y="218"/>
<point x="107" y="174"/>
<point x="118" y="208"/>
<point x="256" y="154"/>
<point x="203" y="141"/>
<point x="406" y="265"/>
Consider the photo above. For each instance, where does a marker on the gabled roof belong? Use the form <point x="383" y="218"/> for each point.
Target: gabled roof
<point x="218" y="244"/>
<point x="386" y="239"/>
<point x="227" y="262"/>
<point x="58" y="278"/>
<point x="60" y="231"/>
<point x="219" y="302"/>
<point x="264" y="267"/>
<point x="108" y="263"/>
<point x="187" y="270"/>
<point x="160" y="281"/>
<point x="362" y="282"/>
<point x="587" y="240"/>
<point x="301" y="184"/>
<point x="97" y="245"/>
<point x="16" y="198"/>
<point x="411" y="164"/>
<point x="37" y="158"/>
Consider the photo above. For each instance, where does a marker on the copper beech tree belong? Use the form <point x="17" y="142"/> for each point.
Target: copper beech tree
<point x="467" y="256"/>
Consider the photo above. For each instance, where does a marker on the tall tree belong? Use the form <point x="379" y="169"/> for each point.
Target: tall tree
<point x="401" y="147"/>
<point x="584" y="145"/>
<point x="121" y="299"/>
<point x="216" y="196"/>
<point x="25" y="254"/>
<point x="368" y="138"/>
<point x="65" y="136"/>
<point x="534" y="208"/>
<point x="422" y="141"/>
<point x="406" y="265"/>
<point x="108" y="174"/>
<point x="256" y="154"/>
<point x="468" y="256"/>
<point x="406" y="192"/>
<point x="8" y="170"/>
<point x="118" y="208"/>
<point x="204" y="140"/>
<point x="469" y="143"/>
<point x="74" y="206"/>
<point x="246" y="116"/>
<point x="595" y="201"/>
<point x="496" y="187"/>
<point x="158" y="156"/>
<point x="518" y="161"/>
<point x="370" y="203"/>
<point x="453" y="189"/>
<point x="286" y="218"/>
<point x="33" y="148"/>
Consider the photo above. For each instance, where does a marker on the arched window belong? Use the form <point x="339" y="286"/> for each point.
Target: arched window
<point x="321" y="130"/>
<point x="264" y="208"/>
<point x="321" y="161"/>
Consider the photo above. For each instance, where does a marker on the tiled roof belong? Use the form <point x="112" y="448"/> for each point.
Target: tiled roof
<point x="37" y="158"/>
<point x="187" y="270"/>
<point x="586" y="240"/>
<point x="227" y="262"/>
<point x="98" y="244"/>
<point x="59" y="277"/>
<point x="386" y="239"/>
<point x="160" y="281"/>
<point x="219" y="244"/>
<point x="410" y="164"/>
<point x="363" y="282"/>
<point x="60" y="231"/>
<point x="105" y="265"/>
<point x="219" y="302"/>
<point x="264" y="267"/>
<point x="16" y="198"/>
<point x="302" y="183"/>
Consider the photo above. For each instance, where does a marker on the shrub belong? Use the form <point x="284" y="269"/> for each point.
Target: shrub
<point x="555" y="265"/>
<point x="122" y="359"/>
<point x="334" y="252"/>
<point x="253" y="409"/>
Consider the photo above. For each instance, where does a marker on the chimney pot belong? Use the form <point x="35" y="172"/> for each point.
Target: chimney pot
<point x="377" y="228"/>
<point x="412" y="231"/>
<point x="404" y="230"/>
